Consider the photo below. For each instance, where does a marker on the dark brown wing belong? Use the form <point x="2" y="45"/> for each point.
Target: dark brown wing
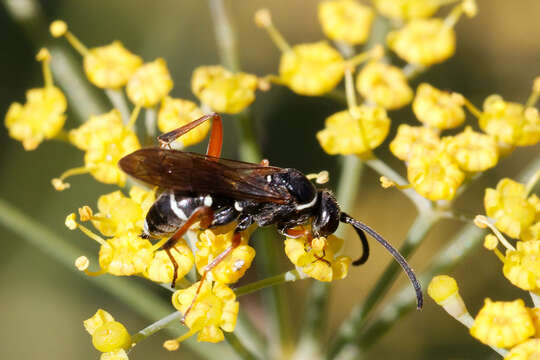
<point x="195" y="173"/>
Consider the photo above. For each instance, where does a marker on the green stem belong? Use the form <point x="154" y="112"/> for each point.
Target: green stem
<point x="350" y="328"/>
<point x="239" y="348"/>
<point x="460" y="246"/>
<point x="288" y="276"/>
<point x="155" y="327"/>
<point x="150" y="305"/>
<point x="150" y="117"/>
<point x="225" y="35"/>
<point x="248" y="149"/>
<point x="119" y="102"/>
<point x="422" y="204"/>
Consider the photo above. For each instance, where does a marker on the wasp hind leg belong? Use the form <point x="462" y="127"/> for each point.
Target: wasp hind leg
<point x="216" y="134"/>
<point x="203" y="214"/>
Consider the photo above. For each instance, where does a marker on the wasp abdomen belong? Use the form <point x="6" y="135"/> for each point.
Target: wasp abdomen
<point x="170" y="211"/>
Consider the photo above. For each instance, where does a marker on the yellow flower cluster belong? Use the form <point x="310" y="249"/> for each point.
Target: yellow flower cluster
<point x="436" y="167"/>
<point x="317" y="257"/>
<point x="42" y="116"/>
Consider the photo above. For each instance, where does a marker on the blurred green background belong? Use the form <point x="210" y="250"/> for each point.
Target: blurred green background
<point x="43" y="303"/>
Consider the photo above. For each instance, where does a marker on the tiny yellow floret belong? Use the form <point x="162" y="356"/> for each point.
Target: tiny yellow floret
<point x="509" y="206"/>
<point x="503" y="323"/>
<point x="354" y="132"/>
<point x="311" y="69"/>
<point x="406" y="9"/>
<point x="438" y="109"/>
<point x="85" y="213"/>
<point x="528" y="350"/>
<point x="490" y="242"/>
<point x="111" y="336"/>
<point x="82" y="263"/>
<point x="222" y="90"/>
<point x="171" y="345"/>
<point x="435" y="175"/>
<point x="41" y="117"/>
<point x="510" y="122"/>
<point x="442" y="287"/>
<point x="345" y="20"/>
<point x="233" y="266"/>
<point x="149" y="84"/>
<point x="110" y="66"/>
<point x="126" y="254"/>
<point x="71" y="222"/>
<point x="473" y="151"/>
<point x="97" y="320"/>
<point x="316" y="257"/>
<point x="409" y="137"/>
<point x="423" y="42"/>
<point x="384" y="85"/>
<point x="58" y="28"/>
<point x="215" y="310"/>
<point x="114" y="355"/>
<point x="263" y="18"/>
<point x="522" y="266"/>
<point x="161" y="269"/>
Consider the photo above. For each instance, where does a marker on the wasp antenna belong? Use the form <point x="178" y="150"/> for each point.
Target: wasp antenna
<point x="360" y="227"/>
<point x="365" y="247"/>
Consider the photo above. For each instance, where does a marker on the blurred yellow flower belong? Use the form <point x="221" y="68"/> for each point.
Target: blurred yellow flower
<point x="410" y="136"/>
<point x="528" y="350"/>
<point x="502" y="323"/>
<point x="423" y="42"/>
<point x="316" y="257"/>
<point x="233" y="266"/>
<point x="175" y="113"/>
<point x="406" y="9"/>
<point x="438" y="109"/>
<point x="311" y="69"/>
<point x="434" y="174"/>
<point x="43" y="114"/>
<point x="347" y="134"/>
<point x="509" y="206"/>
<point x="114" y="355"/>
<point x="522" y="266"/>
<point x="110" y="66"/>
<point x="222" y="90"/>
<point x="473" y="151"/>
<point x="215" y="310"/>
<point x="510" y="122"/>
<point x="384" y="85"/>
<point x="149" y="84"/>
<point x="345" y="20"/>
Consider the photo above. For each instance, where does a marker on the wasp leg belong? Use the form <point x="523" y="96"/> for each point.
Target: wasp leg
<point x="236" y="240"/>
<point x="216" y="135"/>
<point x="205" y="215"/>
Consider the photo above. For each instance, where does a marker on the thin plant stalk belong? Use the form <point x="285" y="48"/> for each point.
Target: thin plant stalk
<point x="119" y="102"/>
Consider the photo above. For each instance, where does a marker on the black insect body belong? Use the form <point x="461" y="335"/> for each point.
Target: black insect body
<point x="218" y="191"/>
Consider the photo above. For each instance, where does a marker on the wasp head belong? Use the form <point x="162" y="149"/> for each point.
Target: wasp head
<point x="326" y="214"/>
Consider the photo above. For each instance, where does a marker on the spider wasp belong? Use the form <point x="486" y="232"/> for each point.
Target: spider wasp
<point x="217" y="191"/>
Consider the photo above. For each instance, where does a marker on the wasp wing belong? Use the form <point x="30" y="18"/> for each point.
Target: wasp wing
<point x="195" y="173"/>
